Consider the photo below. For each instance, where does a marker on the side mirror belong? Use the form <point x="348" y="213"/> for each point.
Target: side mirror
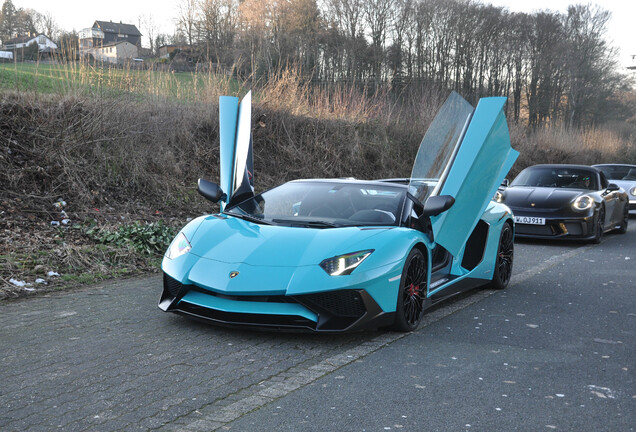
<point x="437" y="204"/>
<point x="612" y="187"/>
<point x="505" y="183"/>
<point x="210" y="190"/>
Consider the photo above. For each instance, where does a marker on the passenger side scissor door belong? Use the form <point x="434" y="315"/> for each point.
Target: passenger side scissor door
<point x="466" y="154"/>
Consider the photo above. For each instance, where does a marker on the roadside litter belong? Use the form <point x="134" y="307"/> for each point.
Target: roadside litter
<point x="18" y="283"/>
<point x="64" y="218"/>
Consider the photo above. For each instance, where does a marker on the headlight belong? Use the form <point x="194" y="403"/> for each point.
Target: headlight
<point x="633" y="191"/>
<point x="583" y="202"/>
<point x="344" y="264"/>
<point x="499" y="197"/>
<point x="179" y="246"/>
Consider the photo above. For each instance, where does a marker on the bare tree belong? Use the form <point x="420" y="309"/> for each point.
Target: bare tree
<point x="403" y="21"/>
<point x="378" y="15"/>
<point x="148" y="26"/>
<point x="44" y="23"/>
<point x="347" y="17"/>
<point x="217" y="26"/>
<point x="589" y="63"/>
<point x="187" y="19"/>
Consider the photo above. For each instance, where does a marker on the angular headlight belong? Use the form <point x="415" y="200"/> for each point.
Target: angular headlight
<point x="179" y="246"/>
<point x="583" y="202"/>
<point x="499" y="197"/>
<point x="344" y="264"/>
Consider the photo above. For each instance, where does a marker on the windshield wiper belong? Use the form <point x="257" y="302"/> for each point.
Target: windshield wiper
<point x="249" y="218"/>
<point x="310" y="224"/>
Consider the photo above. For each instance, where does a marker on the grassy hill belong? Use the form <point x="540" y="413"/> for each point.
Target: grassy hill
<point x="84" y="78"/>
<point x="124" y="148"/>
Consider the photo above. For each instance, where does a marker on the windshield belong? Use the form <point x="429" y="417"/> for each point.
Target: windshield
<point x="571" y="178"/>
<point x="438" y="145"/>
<point x="619" y="172"/>
<point x="324" y="205"/>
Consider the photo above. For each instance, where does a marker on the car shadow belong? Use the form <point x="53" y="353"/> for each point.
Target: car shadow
<point x="559" y="242"/>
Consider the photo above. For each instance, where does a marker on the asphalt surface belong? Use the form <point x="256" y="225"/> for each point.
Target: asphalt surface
<point x="554" y="351"/>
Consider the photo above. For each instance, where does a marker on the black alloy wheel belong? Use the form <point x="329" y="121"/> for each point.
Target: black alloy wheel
<point x="412" y="295"/>
<point x="599" y="228"/>
<point x="505" y="257"/>
<point x="622" y="229"/>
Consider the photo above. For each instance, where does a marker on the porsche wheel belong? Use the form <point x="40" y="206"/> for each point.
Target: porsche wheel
<point x="622" y="229"/>
<point x="599" y="228"/>
<point x="505" y="256"/>
<point x="412" y="295"/>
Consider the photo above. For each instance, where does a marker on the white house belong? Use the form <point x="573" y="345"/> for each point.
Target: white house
<point x="116" y="52"/>
<point x="43" y="42"/>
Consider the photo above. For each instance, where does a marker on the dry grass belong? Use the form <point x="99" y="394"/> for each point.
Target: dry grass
<point x="148" y="142"/>
<point x="558" y="145"/>
<point x="131" y="151"/>
<point x="124" y="151"/>
<point x="85" y="79"/>
<point x="134" y="144"/>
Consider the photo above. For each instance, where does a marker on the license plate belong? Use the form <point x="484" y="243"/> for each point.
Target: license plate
<point x="529" y="220"/>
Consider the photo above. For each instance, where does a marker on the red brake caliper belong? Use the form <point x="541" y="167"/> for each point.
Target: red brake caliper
<point x="414" y="289"/>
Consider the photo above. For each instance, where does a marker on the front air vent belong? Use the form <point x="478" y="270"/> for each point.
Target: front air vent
<point x="346" y="303"/>
<point x="174" y="287"/>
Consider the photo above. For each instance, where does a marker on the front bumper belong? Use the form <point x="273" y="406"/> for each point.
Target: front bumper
<point x="568" y="228"/>
<point x="331" y="311"/>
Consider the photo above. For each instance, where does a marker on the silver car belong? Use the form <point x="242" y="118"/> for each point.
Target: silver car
<point x="623" y="175"/>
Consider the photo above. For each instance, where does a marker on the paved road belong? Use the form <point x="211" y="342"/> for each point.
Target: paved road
<point x="555" y="351"/>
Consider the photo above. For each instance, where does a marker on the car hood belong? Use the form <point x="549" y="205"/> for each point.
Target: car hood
<point x="541" y="197"/>
<point x="233" y="240"/>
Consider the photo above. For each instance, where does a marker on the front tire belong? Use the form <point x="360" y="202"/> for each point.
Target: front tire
<point x="412" y="294"/>
<point x="622" y="229"/>
<point x="599" y="228"/>
<point x="505" y="256"/>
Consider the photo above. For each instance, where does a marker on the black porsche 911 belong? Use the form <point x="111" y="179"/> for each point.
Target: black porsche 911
<point x="565" y="202"/>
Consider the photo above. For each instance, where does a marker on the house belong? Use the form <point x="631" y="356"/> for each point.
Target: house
<point x="90" y="38"/>
<point x="115" y="52"/>
<point x="166" y="50"/>
<point x="43" y="42"/>
<point x="104" y="33"/>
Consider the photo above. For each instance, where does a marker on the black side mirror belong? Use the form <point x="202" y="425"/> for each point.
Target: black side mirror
<point x="505" y="183"/>
<point x="437" y="204"/>
<point x="612" y="187"/>
<point x="210" y="190"/>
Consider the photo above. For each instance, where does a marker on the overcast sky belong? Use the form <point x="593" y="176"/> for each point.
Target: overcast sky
<point x="78" y="14"/>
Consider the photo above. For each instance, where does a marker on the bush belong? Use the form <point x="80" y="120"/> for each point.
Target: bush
<point x="144" y="237"/>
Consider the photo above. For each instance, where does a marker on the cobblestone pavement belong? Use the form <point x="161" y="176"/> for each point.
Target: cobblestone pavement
<point x="105" y="358"/>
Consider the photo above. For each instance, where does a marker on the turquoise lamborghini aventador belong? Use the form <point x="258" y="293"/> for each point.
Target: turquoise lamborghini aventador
<point x="331" y="255"/>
